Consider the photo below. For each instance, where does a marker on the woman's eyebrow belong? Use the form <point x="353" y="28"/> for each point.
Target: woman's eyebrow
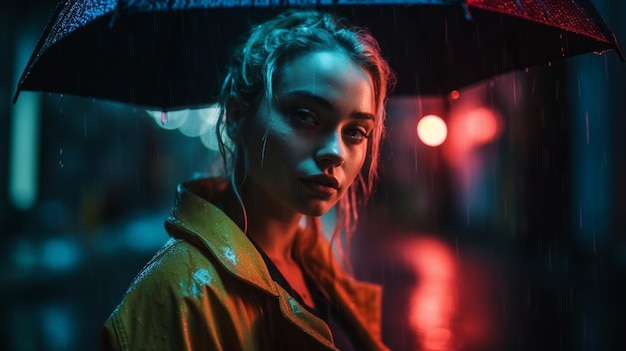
<point x="325" y="103"/>
<point x="363" y="115"/>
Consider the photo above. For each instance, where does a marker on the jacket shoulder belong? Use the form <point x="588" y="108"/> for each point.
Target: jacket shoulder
<point x="179" y="269"/>
<point x="178" y="290"/>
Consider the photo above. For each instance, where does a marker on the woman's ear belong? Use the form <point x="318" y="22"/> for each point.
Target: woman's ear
<point x="235" y="115"/>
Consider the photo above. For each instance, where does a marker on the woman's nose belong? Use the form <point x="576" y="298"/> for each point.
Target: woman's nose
<point x="331" y="151"/>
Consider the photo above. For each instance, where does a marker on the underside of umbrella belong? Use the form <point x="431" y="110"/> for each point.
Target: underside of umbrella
<point x="171" y="54"/>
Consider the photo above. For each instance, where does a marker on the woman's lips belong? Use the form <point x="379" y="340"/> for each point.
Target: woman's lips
<point x="322" y="185"/>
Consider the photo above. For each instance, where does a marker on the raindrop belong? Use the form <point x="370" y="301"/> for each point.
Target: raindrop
<point x="580" y="217"/>
<point x="601" y="52"/>
<point x="526" y="69"/>
<point x="587" y="125"/>
<point x="549" y="63"/>
<point x="506" y="210"/>
<point x="61" y="163"/>
<point x="169" y="120"/>
<point x="556" y="89"/>
<point x="514" y="91"/>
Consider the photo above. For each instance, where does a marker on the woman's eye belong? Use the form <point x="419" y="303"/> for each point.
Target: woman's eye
<point x="358" y="134"/>
<point x="305" y="116"/>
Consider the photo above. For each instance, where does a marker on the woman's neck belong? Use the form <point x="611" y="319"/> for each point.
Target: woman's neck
<point x="271" y="226"/>
<point x="275" y="237"/>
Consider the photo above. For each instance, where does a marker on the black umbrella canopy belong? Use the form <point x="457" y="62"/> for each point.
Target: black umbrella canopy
<point x="169" y="55"/>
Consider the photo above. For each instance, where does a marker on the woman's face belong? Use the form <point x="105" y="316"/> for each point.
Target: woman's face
<point x="316" y="130"/>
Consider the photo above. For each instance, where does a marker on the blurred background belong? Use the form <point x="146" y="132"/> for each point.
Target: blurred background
<point x="499" y="223"/>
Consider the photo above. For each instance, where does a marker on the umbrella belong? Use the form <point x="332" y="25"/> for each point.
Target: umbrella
<point x="169" y="55"/>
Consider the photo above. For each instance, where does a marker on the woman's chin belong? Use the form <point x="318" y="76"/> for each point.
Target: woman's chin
<point x="317" y="210"/>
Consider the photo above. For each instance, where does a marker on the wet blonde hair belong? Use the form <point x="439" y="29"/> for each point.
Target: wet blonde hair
<point x="256" y="67"/>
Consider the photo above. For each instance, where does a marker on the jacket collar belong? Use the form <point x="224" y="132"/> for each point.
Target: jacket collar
<point x="205" y="224"/>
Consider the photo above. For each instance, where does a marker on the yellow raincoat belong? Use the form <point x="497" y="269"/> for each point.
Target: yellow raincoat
<point x="208" y="288"/>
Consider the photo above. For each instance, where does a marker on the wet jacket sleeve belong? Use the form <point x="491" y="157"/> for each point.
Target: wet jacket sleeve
<point x="167" y="308"/>
<point x="192" y="330"/>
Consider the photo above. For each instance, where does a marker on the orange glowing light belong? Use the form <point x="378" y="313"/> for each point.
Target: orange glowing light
<point x="432" y="130"/>
<point x="433" y="301"/>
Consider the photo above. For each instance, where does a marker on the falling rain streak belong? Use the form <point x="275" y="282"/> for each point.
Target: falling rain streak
<point x="61" y="162"/>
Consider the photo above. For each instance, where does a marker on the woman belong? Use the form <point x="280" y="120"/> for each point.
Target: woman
<point x="247" y="266"/>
